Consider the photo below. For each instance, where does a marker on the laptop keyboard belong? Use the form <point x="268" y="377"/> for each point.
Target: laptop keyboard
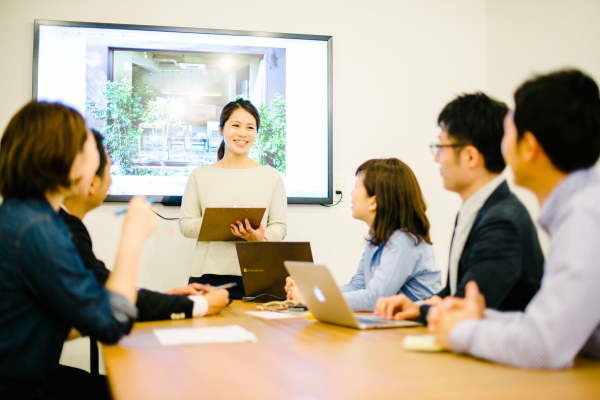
<point x="371" y="319"/>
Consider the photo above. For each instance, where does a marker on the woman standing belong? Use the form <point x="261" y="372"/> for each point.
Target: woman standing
<point x="234" y="180"/>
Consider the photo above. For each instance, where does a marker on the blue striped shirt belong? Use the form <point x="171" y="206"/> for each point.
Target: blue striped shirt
<point x="563" y="319"/>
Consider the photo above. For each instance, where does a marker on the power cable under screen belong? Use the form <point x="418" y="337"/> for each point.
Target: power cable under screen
<point x="333" y="205"/>
<point x="168" y="219"/>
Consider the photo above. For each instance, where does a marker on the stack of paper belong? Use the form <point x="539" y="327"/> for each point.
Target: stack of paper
<point x="213" y="334"/>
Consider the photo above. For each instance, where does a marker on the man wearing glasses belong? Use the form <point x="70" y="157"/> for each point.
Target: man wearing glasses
<point x="495" y="242"/>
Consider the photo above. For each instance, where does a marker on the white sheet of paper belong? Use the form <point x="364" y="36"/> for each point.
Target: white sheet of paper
<point x="276" y="315"/>
<point x="212" y="334"/>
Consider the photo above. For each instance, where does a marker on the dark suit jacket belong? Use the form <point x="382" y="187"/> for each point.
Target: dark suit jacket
<point x="151" y="305"/>
<point x="502" y="254"/>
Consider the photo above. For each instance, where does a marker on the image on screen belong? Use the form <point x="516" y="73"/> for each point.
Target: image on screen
<point x="156" y="98"/>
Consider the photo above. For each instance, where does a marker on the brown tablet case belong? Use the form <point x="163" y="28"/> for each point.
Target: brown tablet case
<point x="216" y="222"/>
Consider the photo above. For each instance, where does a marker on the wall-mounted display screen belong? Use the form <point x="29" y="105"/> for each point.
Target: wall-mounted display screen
<point x="156" y="95"/>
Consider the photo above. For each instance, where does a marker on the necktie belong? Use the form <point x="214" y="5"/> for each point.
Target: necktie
<point x="449" y="280"/>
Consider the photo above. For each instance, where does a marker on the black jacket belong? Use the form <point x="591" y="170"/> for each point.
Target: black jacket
<point x="502" y="254"/>
<point x="152" y="306"/>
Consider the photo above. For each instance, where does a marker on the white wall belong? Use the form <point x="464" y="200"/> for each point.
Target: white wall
<point x="538" y="36"/>
<point x="396" y="63"/>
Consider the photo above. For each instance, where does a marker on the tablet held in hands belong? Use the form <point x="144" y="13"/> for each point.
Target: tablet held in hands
<point x="216" y="222"/>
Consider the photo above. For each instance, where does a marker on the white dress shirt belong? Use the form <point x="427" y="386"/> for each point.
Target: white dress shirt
<point x="466" y="217"/>
<point x="200" y="305"/>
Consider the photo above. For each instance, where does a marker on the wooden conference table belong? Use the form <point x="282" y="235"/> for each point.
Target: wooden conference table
<point x="303" y="359"/>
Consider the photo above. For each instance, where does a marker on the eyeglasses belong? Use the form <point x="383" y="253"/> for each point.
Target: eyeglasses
<point x="436" y="147"/>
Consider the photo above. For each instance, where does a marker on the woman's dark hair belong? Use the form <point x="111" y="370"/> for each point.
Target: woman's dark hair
<point x="400" y="203"/>
<point x="477" y="120"/>
<point x="562" y="111"/>
<point x="226" y="114"/>
<point x="38" y="148"/>
<point x="103" y="156"/>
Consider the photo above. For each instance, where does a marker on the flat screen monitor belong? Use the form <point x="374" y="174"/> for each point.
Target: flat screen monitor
<point x="156" y="94"/>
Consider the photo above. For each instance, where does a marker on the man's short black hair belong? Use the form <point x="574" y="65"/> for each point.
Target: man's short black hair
<point x="477" y="120"/>
<point x="103" y="156"/>
<point x="562" y="111"/>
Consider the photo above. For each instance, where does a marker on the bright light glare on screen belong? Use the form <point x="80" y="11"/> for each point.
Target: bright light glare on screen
<point x="226" y="63"/>
<point x="176" y="109"/>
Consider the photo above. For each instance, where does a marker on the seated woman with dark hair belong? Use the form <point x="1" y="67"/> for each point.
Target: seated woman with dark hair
<point x="398" y="257"/>
<point x="46" y="155"/>
<point x="151" y="305"/>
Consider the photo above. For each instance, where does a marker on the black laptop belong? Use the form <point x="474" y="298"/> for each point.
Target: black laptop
<point x="261" y="264"/>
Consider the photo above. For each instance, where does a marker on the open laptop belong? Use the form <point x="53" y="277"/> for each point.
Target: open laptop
<point x="326" y="302"/>
<point x="262" y="267"/>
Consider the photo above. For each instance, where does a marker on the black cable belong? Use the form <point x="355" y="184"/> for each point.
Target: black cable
<point x="324" y="205"/>
<point x="255" y="298"/>
<point x="168" y="219"/>
<point x="333" y="205"/>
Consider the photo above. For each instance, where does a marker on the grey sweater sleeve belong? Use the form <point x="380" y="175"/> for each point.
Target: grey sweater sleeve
<point x="191" y="211"/>
<point x="276" y="228"/>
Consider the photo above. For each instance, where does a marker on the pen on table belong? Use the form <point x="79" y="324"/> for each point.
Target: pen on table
<point x="124" y="209"/>
<point x="225" y="286"/>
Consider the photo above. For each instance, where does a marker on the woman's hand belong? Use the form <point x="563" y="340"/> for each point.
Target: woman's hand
<point x="140" y="222"/>
<point x="247" y="233"/>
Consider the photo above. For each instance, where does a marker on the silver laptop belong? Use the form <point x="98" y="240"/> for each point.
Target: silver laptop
<point x="326" y="302"/>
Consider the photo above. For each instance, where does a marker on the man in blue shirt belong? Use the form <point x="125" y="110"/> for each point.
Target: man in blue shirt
<point x="551" y="141"/>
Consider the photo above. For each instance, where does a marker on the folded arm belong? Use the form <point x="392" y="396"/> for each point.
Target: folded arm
<point x="61" y="283"/>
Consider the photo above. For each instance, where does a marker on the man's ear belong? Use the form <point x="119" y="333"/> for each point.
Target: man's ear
<point x="472" y="157"/>
<point x="529" y="148"/>
<point x="373" y="203"/>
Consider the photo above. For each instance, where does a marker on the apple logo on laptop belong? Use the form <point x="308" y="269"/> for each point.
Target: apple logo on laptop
<point x="318" y="294"/>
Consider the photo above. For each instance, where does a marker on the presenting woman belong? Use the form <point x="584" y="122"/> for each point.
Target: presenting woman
<point x="235" y="180"/>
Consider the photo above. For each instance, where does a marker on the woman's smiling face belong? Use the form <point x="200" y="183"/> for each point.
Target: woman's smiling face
<point x="239" y="132"/>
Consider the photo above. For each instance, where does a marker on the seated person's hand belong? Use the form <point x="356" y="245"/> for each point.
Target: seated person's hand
<point x="289" y="282"/>
<point x="433" y="300"/>
<point x="398" y="307"/>
<point x="246" y="232"/>
<point x="442" y="318"/>
<point x="190" y="290"/>
<point x="140" y="221"/>
<point x="217" y="300"/>
<point x="292" y="292"/>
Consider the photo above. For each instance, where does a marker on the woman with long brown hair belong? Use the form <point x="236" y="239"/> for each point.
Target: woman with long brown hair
<point x="234" y="180"/>
<point x="398" y="256"/>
